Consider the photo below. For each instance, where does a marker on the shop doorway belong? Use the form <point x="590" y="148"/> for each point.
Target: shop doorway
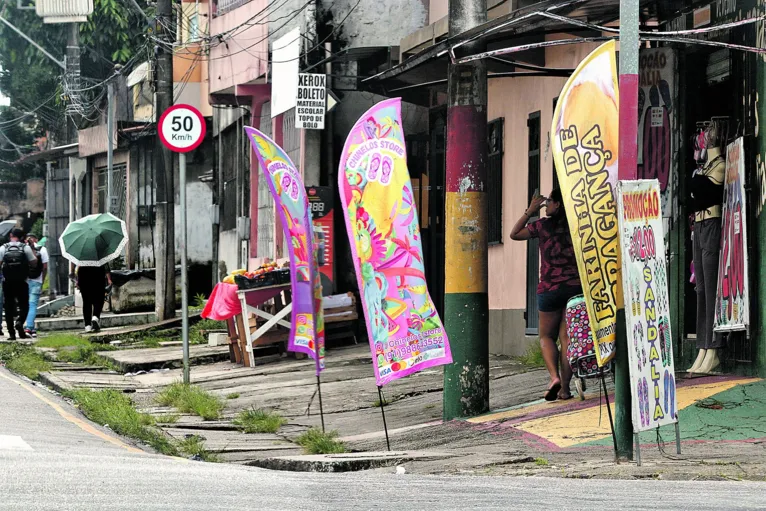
<point x="713" y="84"/>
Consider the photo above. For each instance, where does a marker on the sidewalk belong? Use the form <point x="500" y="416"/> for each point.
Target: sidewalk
<point x="722" y="427"/>
<point x="721" y="419"/>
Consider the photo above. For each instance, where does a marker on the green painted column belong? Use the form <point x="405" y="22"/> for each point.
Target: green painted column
<point x="466" y="314"/>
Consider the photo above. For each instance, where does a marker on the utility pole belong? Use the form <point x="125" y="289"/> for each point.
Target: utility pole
<point x="72" y="70"/>
<point x="466" y="380"/>
<point x="164" y="241"/>
<point x="109" y="146"/>
<point x="627" y="170"/>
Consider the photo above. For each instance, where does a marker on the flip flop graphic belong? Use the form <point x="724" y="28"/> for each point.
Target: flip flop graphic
<point x="646" y="402"/>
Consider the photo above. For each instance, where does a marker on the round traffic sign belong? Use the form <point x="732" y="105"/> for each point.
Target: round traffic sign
<point x="182" y="128"/>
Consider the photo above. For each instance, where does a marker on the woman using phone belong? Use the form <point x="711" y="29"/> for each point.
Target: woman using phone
<point x="559" y="281"/>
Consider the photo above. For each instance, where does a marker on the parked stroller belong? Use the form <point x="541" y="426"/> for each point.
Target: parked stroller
<point x="582" y="350"/>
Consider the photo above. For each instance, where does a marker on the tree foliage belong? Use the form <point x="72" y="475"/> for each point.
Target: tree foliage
<point x="16" y="139"/>
<point x="113" y="34"/>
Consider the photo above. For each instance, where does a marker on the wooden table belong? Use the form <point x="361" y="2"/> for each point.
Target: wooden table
<point x="252" y="301"/>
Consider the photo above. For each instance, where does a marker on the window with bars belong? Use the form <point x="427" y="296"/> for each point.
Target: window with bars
<point x="221" y="7"/>
<point x="495" y="181"/>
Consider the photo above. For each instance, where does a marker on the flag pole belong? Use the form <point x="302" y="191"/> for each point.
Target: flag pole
<point x="383" y="413"/>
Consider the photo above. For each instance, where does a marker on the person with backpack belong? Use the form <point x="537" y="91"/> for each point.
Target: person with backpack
<point x="16" y="258"/>
<point x="37" y="276"/>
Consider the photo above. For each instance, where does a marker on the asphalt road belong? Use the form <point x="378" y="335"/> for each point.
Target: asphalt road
<point x="53" y="459"/>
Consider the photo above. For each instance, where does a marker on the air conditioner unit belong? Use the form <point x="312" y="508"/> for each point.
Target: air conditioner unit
<point x="64" y="11"/>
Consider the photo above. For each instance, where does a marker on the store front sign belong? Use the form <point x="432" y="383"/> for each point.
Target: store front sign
<point x="702" y="17"/>
<point x="311" y="101"/>
<point x="647" y="306"/>
<point x="658" y="127"/>
<point x="732" y="310"/>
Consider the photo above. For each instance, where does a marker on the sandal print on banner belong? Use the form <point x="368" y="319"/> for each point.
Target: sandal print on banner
<point x="374" y="166"/>
<point x="666" y="349"/>
<point x="640" y="395"/>
<point x="646" y="402"/>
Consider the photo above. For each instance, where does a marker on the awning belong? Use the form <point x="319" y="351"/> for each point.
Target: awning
<point x="525" y="29"/>
<point x="49" y="154"/>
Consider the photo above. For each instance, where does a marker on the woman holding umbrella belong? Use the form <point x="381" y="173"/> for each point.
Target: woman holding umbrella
<point x="92" y="282"/>
<point x="91" y="243"/>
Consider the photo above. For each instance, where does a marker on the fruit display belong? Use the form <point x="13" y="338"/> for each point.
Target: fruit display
<point x="268" y="274"/>
<point x="229" y="279"/>
<point x="262" y="269"/>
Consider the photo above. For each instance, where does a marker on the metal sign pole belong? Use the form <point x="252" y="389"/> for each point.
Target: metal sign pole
<point x="181" y="129"/>
<point x="184" y="283"/>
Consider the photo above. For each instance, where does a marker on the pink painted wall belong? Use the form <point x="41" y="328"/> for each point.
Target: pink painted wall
<point x="437" y="10"/>
<point x="515" y="99"/>
<point x="242" y="58"/>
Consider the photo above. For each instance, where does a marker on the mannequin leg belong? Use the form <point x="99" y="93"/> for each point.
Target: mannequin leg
<point x="699" y="274"/>
<point x="710" y="243"/>
<point x="710" y="363"/>
<point x="698" y="362"/>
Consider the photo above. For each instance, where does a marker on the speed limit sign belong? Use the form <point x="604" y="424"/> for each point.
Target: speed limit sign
<point x="182" y="128"/>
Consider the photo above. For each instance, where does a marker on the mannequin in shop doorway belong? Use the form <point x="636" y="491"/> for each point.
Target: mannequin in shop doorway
<point x="707" y="195"/>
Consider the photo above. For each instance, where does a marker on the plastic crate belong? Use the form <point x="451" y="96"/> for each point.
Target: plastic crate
<point x="282" y="276"/>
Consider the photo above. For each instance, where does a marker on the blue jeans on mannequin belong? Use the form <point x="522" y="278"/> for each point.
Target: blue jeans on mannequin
<point x="35" y="288"/>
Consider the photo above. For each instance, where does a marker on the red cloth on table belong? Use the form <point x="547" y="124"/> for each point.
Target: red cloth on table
<point x="224" y="302"/>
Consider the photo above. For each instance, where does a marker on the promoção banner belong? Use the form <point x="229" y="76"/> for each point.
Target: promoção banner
<point x="647" y="305"/>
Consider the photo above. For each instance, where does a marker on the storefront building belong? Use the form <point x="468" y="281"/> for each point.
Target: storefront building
<point x="688" y="80"/>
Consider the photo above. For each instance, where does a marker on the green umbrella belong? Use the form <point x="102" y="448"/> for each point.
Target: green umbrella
<point x="42" y="242"/>
<point x="94" y="240"/>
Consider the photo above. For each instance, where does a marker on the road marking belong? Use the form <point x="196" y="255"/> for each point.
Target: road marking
<point x="13" y="443"/>
<point x="74" y="420"/>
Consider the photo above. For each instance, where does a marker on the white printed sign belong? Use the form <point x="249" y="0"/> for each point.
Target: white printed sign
<point x="647" y="305"/>
<point x="311" y="101"/>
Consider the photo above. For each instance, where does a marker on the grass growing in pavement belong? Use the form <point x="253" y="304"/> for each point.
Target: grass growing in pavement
<point x="194" y="446"/>
<point x="541" y="462"/>
<point x="59" y="341"/>
<point x="314" y="441"/>
<point x="198" y="332"/>
<point x="24" y="359"/>
<point x="115" y="409"/>
<point x="259" y="421"/>
<point x="191" y="399"/>
<point x="533" y="357"/>
<point x="233" y="395"/>
<point x="210" y="324"/>
<point x="74" y="349"/>
<point x="170" y="418"/>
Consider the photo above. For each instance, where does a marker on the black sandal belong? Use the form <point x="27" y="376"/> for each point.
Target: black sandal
<point x="552" y="394"/>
